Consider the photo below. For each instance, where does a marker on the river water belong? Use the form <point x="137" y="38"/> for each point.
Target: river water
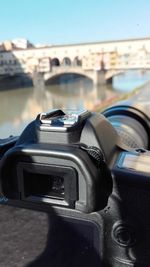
<point x="20" y="106"/>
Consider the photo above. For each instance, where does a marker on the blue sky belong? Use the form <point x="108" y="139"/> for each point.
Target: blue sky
<point x="74" y="21"/>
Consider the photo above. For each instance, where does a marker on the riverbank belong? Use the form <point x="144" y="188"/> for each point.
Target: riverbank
<point x="113" y="98"/>
<point x="15" y="82"/>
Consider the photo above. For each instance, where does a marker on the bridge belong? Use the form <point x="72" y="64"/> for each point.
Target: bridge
<point x="96" y="76"/>
<point x="99" y="61"/>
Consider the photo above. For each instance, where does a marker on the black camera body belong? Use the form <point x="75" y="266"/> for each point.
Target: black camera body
<point x="91" y="170"/>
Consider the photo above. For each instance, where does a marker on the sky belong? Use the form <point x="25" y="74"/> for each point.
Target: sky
<point x="74" y="21"/>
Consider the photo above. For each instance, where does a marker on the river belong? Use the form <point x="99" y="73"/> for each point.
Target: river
<point x="20" y="106"/>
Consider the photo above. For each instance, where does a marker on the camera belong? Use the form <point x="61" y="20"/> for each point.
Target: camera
<point x="92" y="170"/>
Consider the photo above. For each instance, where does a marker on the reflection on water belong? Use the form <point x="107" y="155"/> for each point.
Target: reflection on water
<point x="19" y="107"/>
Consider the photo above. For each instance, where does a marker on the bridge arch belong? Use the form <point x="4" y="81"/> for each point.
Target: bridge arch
<point x="63" y="74"/>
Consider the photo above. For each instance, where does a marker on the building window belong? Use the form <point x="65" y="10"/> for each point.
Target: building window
<point x="77" y="62"/>
<point x="66" y="61"/>
<point x="55" y="62"/>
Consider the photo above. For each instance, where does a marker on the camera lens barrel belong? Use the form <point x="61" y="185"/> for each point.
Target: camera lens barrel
<point x="131" y="124"/>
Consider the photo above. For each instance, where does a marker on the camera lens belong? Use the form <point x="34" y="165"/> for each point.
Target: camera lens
<point x="131" y="124"/>
<point x="132" y="133"/>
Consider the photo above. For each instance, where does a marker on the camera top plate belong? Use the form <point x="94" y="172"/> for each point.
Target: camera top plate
<point x="57" y="120"/>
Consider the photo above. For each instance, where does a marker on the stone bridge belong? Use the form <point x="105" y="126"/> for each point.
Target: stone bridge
<point x="97" y="76"/>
